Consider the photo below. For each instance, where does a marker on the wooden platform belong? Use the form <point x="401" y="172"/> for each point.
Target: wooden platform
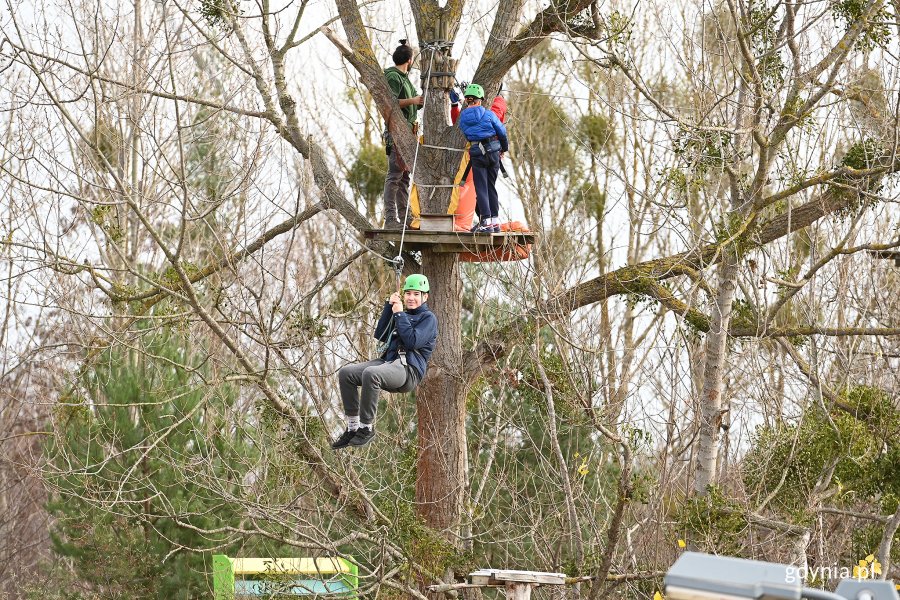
<point x="888" y="254"/>
<point x="449" y="242"/>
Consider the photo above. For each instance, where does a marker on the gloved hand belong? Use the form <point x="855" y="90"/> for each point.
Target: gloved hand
<point x="454" y="96"/>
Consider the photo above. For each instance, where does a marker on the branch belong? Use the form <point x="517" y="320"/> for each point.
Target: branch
<point x="835" y="58"/>
<point x="156" y="293"/>
<point x="668" y="300"/>
<point x="660" y="269"/>
<point x="793" y="288"/>
<point x="813" y="330"/>
<point x="853" y="515"/>
<point x="94" y="75"/>
<point x="358" y="52"/>
<point x="649" y="273"/>
<point x="550" y="20"/>
<point x="807" y="370"/>
<point x="887" y="540"/>
<point x="765" y="522"/>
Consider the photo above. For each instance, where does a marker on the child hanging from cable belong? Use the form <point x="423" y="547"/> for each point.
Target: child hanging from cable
<point x="409" y="337"/>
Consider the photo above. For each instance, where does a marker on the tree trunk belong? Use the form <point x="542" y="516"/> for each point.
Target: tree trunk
<point x="711" y="395"/>
<point x="440" y="405"/>
<point x="440" y="401"/>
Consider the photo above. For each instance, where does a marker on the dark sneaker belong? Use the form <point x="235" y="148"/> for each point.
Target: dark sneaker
<point x="344" y="440"/>
<point x="487" y="229"/>
<point x="363" y="436"/>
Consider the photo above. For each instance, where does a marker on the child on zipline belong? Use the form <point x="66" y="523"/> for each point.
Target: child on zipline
<point x="410" y="335"/>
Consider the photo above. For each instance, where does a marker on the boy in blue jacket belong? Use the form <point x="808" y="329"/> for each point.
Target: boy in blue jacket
<point x="488" y="144"/>
<point x="410" y="336"/>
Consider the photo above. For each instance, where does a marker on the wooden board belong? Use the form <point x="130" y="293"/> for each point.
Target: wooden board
<point x="502" y="576"/>
<point x="290" y="566"/>
<point x="299" y="587"/>
<point x="443" y="223"/>
<point x="440" y="241"/>
<point x="889" y="254"/>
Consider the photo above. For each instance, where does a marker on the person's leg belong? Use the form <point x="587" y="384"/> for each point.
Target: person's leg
<point x="482" y="192"/>
<point x="350" y="378"/>
<point x="392" y="184"/>
<point x="388" y="376"/>
<point x="401" y="199"/>
<point x="493" y="199"/>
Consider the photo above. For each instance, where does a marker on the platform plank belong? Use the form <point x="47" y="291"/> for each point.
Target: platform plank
<point x="889" y="254"/>
<point x="502" y="576"/>
<point x="290" y="566"/>
<point x="450" y="242"/>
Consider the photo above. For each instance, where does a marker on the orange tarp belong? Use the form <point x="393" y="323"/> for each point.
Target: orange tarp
<point x="509" y="251"/>
<point x="462" y="199"/>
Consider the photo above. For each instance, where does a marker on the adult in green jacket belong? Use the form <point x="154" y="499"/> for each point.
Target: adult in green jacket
<point x="396" y="184"/>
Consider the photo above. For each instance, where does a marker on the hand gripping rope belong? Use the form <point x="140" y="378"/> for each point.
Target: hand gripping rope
<point x="398" y="267"/>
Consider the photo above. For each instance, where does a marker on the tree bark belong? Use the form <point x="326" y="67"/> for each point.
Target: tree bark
<point x="711" y="396"/>
<point x="440" y="405"/>
<point x="887" y="540"/>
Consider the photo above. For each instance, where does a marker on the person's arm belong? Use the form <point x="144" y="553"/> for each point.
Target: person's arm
<point x="382" y="328"/>
<point x="500" y="130"/>
<point x="396" y="85"/>
<point x="498" y="107"/>
<point x="404" y="102"/>
<point x="454" y="106"/>
<point x="462" y="123"/>
<point x="416" y="337"/>
<point x="454" y="113"/>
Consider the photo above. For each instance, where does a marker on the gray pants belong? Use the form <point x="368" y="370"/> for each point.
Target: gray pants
<point x="396" y="192"/>
<point x="373" y="376"/>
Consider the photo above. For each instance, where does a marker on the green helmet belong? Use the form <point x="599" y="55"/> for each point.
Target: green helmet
<point x="473" y="89"/>
<point x="416" y="282"/>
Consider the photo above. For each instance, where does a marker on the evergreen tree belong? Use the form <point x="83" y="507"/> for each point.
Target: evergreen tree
<point x="148" y="433"/>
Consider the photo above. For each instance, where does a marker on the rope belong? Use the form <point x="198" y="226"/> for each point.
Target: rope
<point x="398" y="261"/>
<point x="443" y="148"/>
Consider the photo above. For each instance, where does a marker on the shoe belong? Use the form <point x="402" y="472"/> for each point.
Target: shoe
<point x="486" y="229"/>
<point x="392" y="224"/>
<point x="344" y="440"/>
<point x="363" y="436"/>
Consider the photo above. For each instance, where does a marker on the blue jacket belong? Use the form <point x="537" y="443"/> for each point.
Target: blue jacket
<point x="479" y="124"/>
<point x="413" y="330"/>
